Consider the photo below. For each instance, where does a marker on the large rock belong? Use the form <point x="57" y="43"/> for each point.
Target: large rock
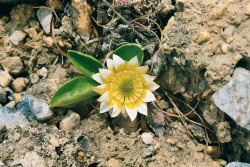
<point x="13" y="117"/>
<point x="237" y="164"/>
<point x="234" y="98"/>
<point x="34" y="108"/>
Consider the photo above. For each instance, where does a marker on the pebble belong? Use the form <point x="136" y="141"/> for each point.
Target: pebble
<point x="2" y="95"/>
<point x="13" y="65"/>
<point x="214" y="151"/>
<point x="237" y="57"/>
<point x="54" y="141"/>
<point x="48" y="40"/>
<point x="43" y="72"/>
<point x="44" y="16"/>
<point x="229" y="39"/>
<point x="224" y="48"/>
<point x="170" y="141"/>
<point x="80" y="154"/>
<point x="32" y="107"/>
<point x="34" y="78"/>
<point x="11" y="105"/>
<point x="147" y="138"/>
<point x="17" y="37"/>
<point x="70" y="121"/>
<point x="233" y="98"/>
<point x="113" y="163"/>
<point x="19" y="84"/>
<point x="203" y="37"/>
<point x="171" y="21"/>
<point x="17" y="97"/>
<point x="222" y="162"/>
<point x="30" y="159"/>
<point x="31" y="32"/>
<point x="5" y="78"/>
<point x="248" y="9"/>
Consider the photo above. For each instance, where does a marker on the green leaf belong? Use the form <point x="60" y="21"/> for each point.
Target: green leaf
<point x="87" y="64"/>
<point x="128" y="51"/>
<point x="74" y="91"/>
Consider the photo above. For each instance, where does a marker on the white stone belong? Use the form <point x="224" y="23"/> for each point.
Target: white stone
<point x="17" y="37"/>
<point x="233" y="98"/>
<point x="43" y="72"/>
<point x="147" y="138"/>
<point x="224" y="48"/>
<point x="11" y="118"/>
<point x="44" y="16"/>
<point x="203" y="37"/>
<point x="34" y="78"/>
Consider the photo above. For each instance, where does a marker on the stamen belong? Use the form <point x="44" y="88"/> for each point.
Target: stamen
<point x="126" y="86"/>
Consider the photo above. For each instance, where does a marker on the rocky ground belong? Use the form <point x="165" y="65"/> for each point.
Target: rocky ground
<point x="199" y="51"/>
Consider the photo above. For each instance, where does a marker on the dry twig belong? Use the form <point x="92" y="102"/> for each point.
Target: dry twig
<point x="184" y="117"/>
<point x="125" y="21"/>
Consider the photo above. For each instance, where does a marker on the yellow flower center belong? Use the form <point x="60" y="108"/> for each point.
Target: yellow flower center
<point x="126" y="86"/>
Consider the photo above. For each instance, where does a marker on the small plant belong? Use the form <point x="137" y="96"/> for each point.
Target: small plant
<point x="124" y="86"/>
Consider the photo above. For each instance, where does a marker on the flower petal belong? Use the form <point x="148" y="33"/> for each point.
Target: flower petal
<point x="149" y="78"/>
<point x="110" y="64"/>
<point x="132" y="113"/>
<point x="100" y="89"/>
<point x="143" y="109"/>
<point x="143" y="69"/>
<point x="153" y="86"/>
<point x="149" y="97"/>
<point x="105" y="73"/>
<point x="97" y="78"/>
<point x="118" y="61"/>
<point x="104" y="97"/>
<point x="116" y="111"/>
<point x="104" y="108"/>
<point x="133" y="61"/>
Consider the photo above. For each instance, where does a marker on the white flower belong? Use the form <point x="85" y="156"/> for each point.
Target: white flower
<point x="124" y="87"/>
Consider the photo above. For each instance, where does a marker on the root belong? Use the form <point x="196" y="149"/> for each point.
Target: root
<point x="184" y="119"/>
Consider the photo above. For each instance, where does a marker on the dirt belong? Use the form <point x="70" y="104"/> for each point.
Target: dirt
<point x="194" y="47"/>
